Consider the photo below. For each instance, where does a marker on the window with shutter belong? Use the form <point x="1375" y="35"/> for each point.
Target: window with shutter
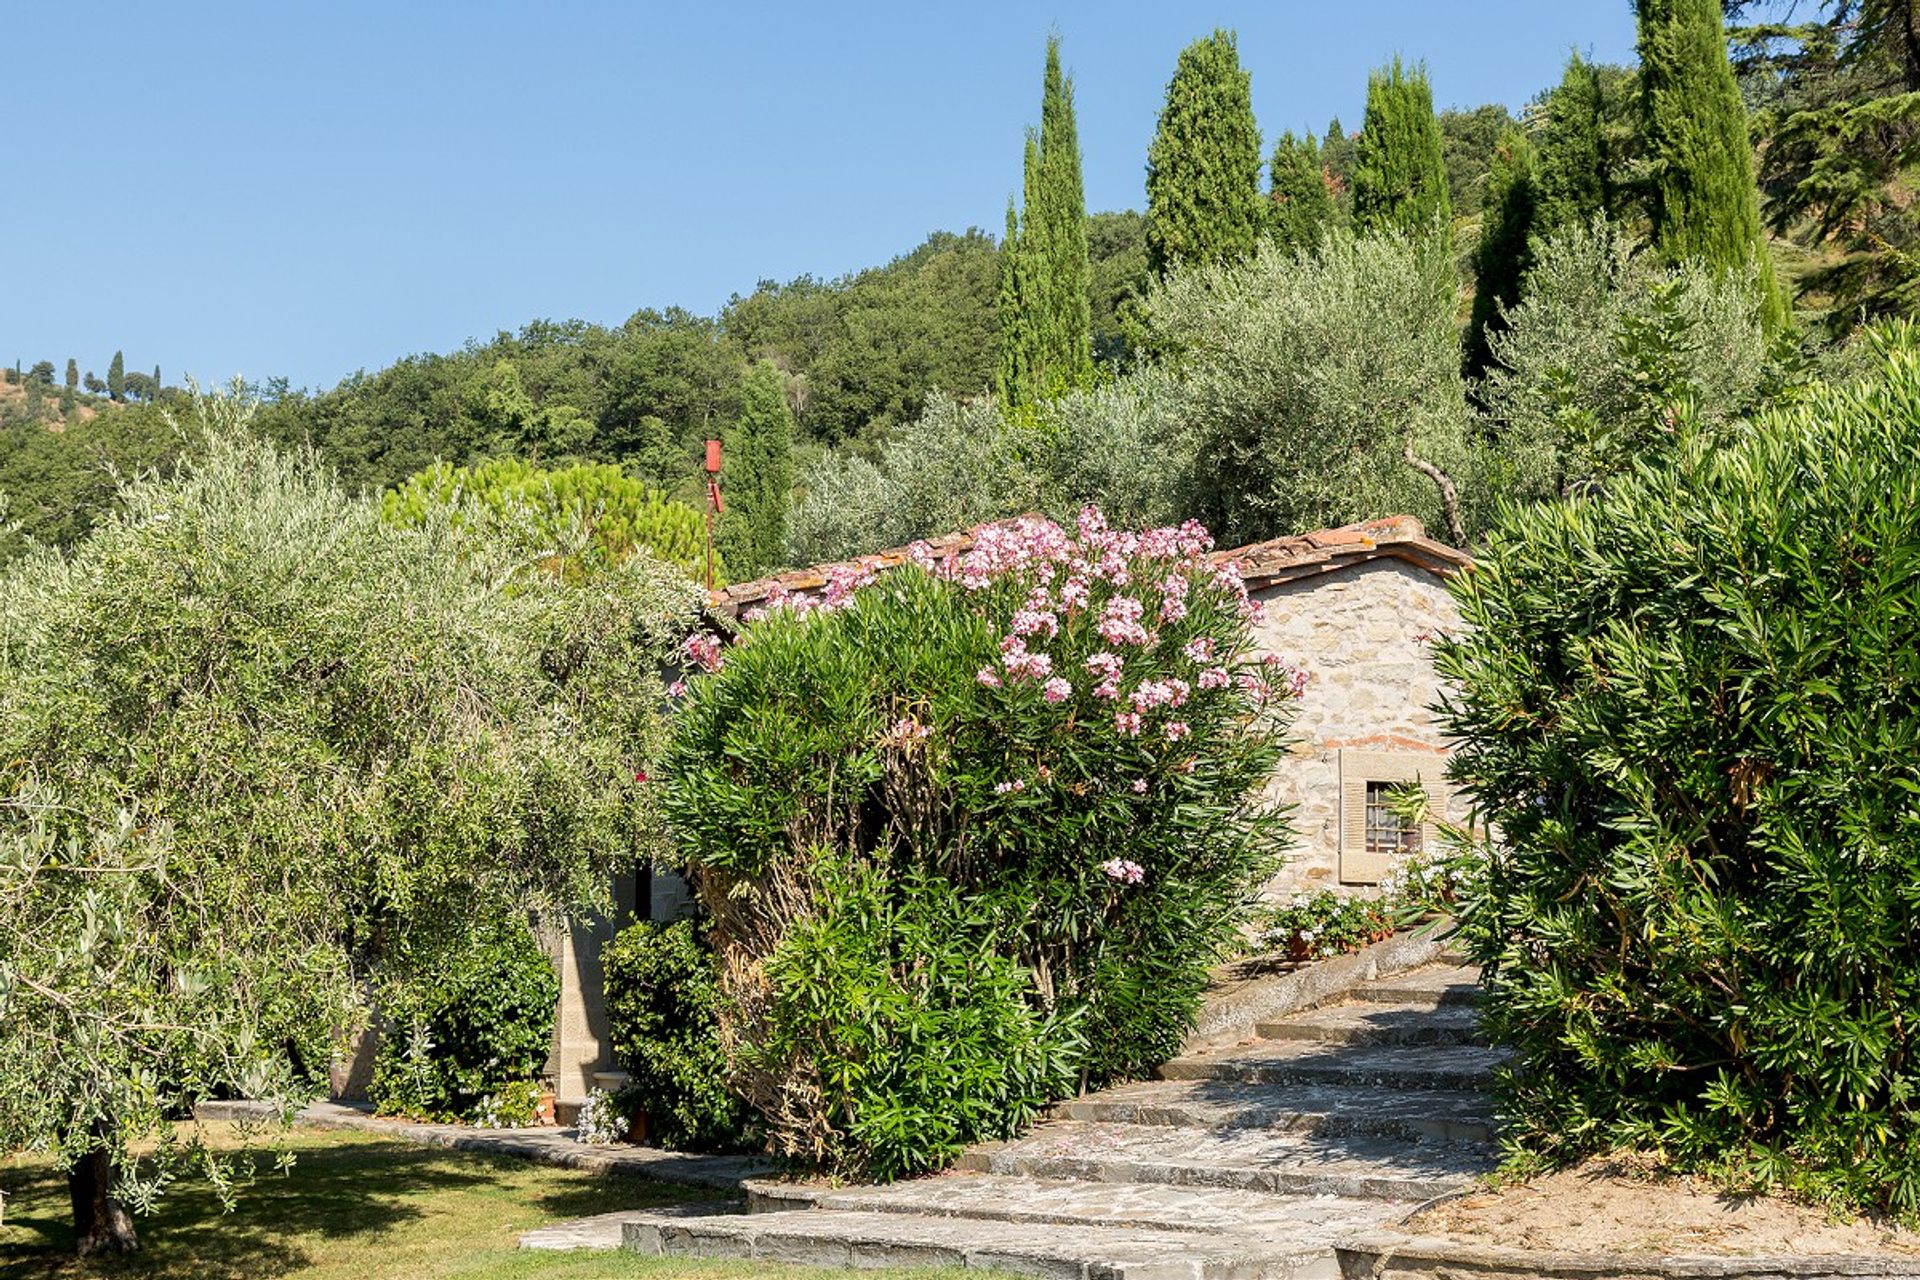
<point x="1373" y="834"/>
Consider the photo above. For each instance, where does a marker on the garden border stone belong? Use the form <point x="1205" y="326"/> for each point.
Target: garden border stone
<point x="1233" y="1011"/>
<point x="543" y="1146"/>
<point x="1386" y="1255"/>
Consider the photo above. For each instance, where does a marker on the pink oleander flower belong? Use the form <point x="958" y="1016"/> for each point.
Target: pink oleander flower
<point x="703" y="648"/>
<point x="1105" y="664"/>
<point x="1171" y="609"/>
<point x="1120" y="622"/>
<point x="988" y="677"/>
<point x="1176" y="730"/>
<point x="1123" y="871"/>
<point x="1005" y="788"/>
<point x="678" y="689"/>
<point x="920" y="553"/>
<point x="1187" y="765"/>
<point x="908" y="729"/>
<point x="1199" y="649"/>
<point x="1074" y="593"/>
<point x="1160" y="693"/>
<point x="1058" y="689"/>
<point x="1255" y="687"/>
<point x="1215" y="678"/>
<point x="1127" y="722"/>
<point x="754" y="614"/>
<point x="1107" y="690"/>
<point x="1140" y="786"/>
<point x="1031" y="621"/>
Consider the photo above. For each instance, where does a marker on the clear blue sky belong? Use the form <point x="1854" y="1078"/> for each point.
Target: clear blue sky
<point x="306" y="190"/>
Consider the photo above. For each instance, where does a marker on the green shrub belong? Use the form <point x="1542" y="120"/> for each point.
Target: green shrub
<point x="464" y="1028"/>
<point x="971" y="837"/>
<point x="1691" y="708"/>
<point x="662" y="1006"/>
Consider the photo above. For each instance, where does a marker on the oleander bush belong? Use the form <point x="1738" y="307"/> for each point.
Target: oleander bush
<point x="663" y="997"/>
<point x="971" y="835"/>
<point x="1690" y="706"/>
<point x="468" y="1031"/>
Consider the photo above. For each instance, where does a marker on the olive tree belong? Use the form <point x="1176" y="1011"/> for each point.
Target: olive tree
<point x="255" y="743"/>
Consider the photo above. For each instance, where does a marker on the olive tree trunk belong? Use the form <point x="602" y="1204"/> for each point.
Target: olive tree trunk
<point x="101" y="1224"/>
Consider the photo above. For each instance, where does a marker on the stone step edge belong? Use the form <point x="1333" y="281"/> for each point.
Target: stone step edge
<point x="1372" y="1253"/>
<point x="1258" y="1071"/>
<point x="1302" y="1181"/>
<point x="876" y="1240"/>
<point x="769" y="1196"/>
<point x="1371" y="1037"/>
<point x="1334" y="1121"/>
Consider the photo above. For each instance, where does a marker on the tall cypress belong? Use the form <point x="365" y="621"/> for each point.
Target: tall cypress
<point x="1303" y="207"/>
<point x="117" y="377"/>
<point x="1203" y="170"/>
<point x="1046" y="324"/>
<point x="759" y="470"/>
<point x="1399" y="167"/>
<point x="1571" y="171"/>
<point x="156" y="382"/>
<point x="1501" y="259"/>
<point x="73" y="374"/>
<point x="1703" y="201"/>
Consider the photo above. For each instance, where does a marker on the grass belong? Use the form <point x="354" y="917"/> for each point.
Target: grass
<point x="362" y="1207"/>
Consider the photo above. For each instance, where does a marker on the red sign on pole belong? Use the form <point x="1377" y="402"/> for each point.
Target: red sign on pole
<point x="713" y="456"/>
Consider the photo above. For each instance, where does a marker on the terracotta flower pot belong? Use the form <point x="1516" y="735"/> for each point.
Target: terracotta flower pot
<point x="543" y="1108"/>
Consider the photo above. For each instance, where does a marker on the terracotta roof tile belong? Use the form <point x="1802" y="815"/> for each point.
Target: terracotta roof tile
<point x="1261" y="563"/>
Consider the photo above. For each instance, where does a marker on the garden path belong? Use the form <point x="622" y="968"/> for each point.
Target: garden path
<point x="1245" y="1162"/>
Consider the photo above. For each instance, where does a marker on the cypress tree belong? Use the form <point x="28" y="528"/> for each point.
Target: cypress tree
<point x="1203" y="170"/>
<point x="66" y="401"/>
<point x="1703" y="201"/>
<point x="117" y="377"/>
<point x="156" y="382"/>
<point x="1571" y="178"/>
<point x="1399" y="167"/>
<point x="1302" y="194"/>
<point x="759" y="468"/>
<point x="1016" y="346"/>
<point x="73" y="374"/>
<point x="1058" y="208"/>
<point x="1502" y="258"/>
<point x="1046" y="323"/>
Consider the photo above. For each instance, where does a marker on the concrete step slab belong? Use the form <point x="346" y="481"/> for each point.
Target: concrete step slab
<point x="855" y="1239"/>
<point x="1273" y="1161"/>
<point x="1148" y="1206"/>
<point x="1423" y="1067"/>
<point x="1440" y="984"/>
<point x="1410" y="1115"/>
<point x="1369" y="1022"/>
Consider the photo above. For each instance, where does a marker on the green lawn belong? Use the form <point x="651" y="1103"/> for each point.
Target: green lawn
<point x="360" y="1207"/>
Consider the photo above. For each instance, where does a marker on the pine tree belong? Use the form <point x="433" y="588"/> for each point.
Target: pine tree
<point x="1203" y="170"/>
<point x="1571" y="171"/>
<point x="1502" y="258"/>
<point x="1302" y="193"/>
<point x="73" y="374"/>
<point x="1046" y="324"/>
<point x="117" y="377"/>
<point x="1399" y="166"/>
<point x="759" y="471"/>
<point x="1703" y="201"/>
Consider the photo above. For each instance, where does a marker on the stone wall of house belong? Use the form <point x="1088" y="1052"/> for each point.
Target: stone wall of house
<point x="1363" y="635"/>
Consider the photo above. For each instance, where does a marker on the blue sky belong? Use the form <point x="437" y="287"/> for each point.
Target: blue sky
<point x="306" y="190"/>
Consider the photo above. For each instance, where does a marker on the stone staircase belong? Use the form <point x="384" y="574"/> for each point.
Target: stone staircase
<point x="1247" y="1162"/>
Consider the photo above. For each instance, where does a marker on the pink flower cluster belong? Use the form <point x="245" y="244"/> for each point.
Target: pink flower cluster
<point x="703" y="647"/>
<point x="1123" y="871"/>
<point x="908" y="729"/>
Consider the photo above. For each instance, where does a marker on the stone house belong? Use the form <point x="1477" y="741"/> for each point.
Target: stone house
<point x="1355" y="606"/>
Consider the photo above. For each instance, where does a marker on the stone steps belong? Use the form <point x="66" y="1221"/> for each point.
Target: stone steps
<point x="861" y="1239"/>
<point x="1414" y="1116"/>
<point x="1368" y="1022"/>
<point x="1436" y="985"/>
<point x="1293" y="1062"/>
<point x="1147" y="1206"/>
<point x="1266" y="1160"/>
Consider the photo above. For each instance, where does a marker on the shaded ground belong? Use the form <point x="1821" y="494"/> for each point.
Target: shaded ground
<point x="1604" y="1207"/>
<point x="356" y="1207"/>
